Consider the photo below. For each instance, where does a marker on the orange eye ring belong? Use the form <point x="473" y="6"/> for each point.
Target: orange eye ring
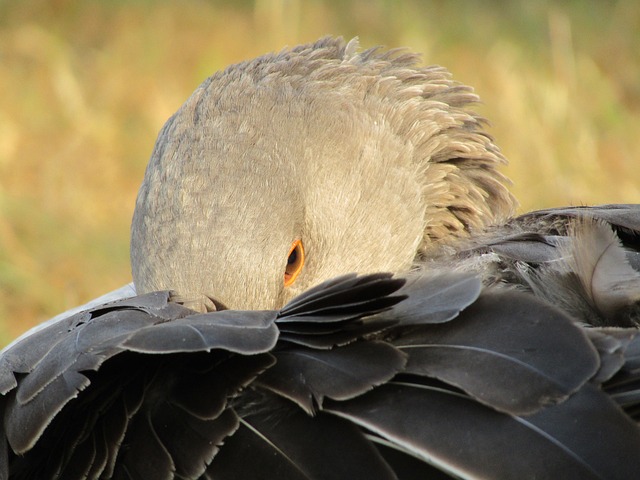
<point x="295" y="261"/>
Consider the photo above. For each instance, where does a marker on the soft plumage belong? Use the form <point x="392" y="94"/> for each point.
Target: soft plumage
<point x="497" y="348"/>
<point x="314" y="143"/>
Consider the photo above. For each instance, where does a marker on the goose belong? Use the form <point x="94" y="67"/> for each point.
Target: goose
<point x="329" y="282"/>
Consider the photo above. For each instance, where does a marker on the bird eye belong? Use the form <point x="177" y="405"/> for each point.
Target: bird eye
<point x="295" y="261"/>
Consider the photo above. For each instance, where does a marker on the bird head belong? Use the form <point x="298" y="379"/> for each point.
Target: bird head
<point x="284" y="171"/>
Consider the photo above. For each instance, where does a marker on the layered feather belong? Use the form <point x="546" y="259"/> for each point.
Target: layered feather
<point x="585" y="260"/>
<point x="487" y="384"/>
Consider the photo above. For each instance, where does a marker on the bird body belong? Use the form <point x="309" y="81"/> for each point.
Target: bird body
<point x="261" y="339"/>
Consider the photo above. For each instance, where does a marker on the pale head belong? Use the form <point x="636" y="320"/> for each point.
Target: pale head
<point x="368" y="159"/>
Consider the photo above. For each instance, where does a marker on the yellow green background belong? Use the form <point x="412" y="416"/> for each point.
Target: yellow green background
<point x="86" y="85"/>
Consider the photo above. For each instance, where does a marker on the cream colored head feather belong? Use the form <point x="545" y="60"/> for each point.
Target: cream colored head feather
<point x="370" y="160"/>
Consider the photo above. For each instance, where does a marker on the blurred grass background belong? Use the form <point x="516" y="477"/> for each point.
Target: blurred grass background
<point x="86" y="85"/>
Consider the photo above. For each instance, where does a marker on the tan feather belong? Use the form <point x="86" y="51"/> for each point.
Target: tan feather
<point x="598" y="259"/>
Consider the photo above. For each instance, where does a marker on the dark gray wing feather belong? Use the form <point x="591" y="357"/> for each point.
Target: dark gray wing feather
<point x="621" y="216"/>
<point x="436" y="424"/>
<point x="343" y="296"/>
<point x="501" y="341"/>
<point x="60" y="374"/>
<point x="307" y="376"/>
<point x="607" y="441"/>
<point x="433" y="298"/>
<point x="333" y="313"/>
<point x="286" y="443"/>
<point x="104" y="416"/>
<point x="246" y="332"/>
<point x="26" y="354"/>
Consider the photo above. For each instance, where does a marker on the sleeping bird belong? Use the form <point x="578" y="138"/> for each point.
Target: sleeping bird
<point x="329" y="283"/>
